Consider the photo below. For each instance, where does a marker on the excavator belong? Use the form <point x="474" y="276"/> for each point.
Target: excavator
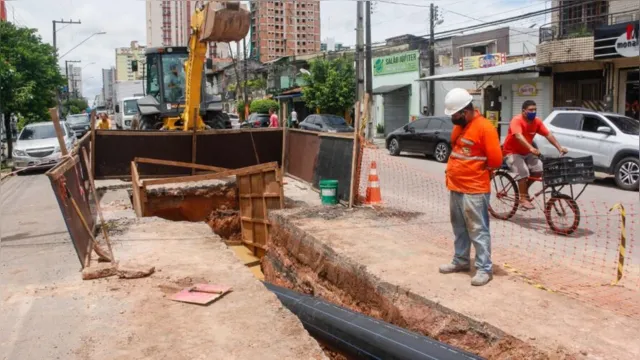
<point x="175" y="88"/>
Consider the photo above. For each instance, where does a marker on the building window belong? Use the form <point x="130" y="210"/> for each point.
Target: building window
<point x="580" y="18"/>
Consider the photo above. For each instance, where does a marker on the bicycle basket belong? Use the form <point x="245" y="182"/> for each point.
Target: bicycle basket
<point x="566" y="171"/>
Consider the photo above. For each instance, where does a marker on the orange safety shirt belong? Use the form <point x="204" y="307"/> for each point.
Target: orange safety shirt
<point x="475" y="149"/>
<point x="519" y="125"/>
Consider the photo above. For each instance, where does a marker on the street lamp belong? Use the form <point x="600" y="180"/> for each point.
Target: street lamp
<point x="93" y="63"/>
<point x="82" y="42"/>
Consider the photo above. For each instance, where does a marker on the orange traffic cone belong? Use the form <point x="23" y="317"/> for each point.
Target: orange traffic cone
<point x="373" y="187"/>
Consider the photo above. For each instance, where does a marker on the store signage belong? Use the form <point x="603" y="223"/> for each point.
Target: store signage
<point x="396" y="63"/>
<point x="482" y="61"/>
<point x="614" y="41"/>
<point x="527" y="89"/>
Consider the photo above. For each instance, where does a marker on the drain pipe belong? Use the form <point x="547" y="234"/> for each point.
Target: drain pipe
<point x="360" y="336"/>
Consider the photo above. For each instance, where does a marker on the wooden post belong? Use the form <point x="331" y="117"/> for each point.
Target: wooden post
<point x="93" y="143"/>
<point x="356" y="132"/>
<point x="193" y="139"/>
<point x="53" y="112"/>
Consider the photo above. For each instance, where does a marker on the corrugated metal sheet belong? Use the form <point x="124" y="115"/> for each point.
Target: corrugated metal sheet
<point x="302" y="154"/>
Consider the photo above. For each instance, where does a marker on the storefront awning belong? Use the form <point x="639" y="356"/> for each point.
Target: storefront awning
<point x="388" y="88"/>
<point x="480" y="74"/>
<point x="288" y="96"/>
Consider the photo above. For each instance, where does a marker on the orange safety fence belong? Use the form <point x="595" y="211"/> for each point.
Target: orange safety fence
<point x="585" y="265"/>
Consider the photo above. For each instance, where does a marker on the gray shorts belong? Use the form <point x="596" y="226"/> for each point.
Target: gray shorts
<point x="522" y="165"/>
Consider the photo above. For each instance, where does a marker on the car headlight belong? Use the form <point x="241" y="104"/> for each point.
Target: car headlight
<point x="86" y="127"/>
<point x="17" y="152"/>
<point x="56" y="149"/>
<point x="332" y="131"/>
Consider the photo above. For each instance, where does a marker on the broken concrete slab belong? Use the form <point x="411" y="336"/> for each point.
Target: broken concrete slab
<point x="134" y="270"/>
<point x="370" y="262"/>
<point x="98" y="271"/>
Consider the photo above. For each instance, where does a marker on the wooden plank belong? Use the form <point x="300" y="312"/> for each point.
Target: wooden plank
<point x="223" y="174"/>
<point x="337" y="135"/>
<point x="92" y="145"/>
<point x="141" y="133"/>
<point x="194" y="122"/>
<point x="353" y="155"/>
<point x="277" y="195"/>
<point x="137" y="196"/>
<point x="53" y="112"/>
<point x="284" y="148"/>
<point x="304" y="131"/>
<point x="178" y="164"/>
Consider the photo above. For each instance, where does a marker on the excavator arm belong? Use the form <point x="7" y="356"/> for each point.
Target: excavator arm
<point x="224" y="23"/>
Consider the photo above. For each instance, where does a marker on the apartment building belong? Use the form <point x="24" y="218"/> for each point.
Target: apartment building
<point x="592" y="48"/>
<point x="108" y="79"/>
<point x="168" y="23"/>
<point x="284" y="28"/>
<point x="124" y="57"/>
<point x="74" y="81"/>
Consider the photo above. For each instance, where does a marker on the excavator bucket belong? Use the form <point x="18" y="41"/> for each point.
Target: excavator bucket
<point x="229" y="23"/>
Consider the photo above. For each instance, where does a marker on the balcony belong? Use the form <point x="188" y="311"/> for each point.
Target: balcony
<point x="570" y="40"/>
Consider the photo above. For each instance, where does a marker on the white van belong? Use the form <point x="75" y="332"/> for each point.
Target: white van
<point x="126" y="109"/>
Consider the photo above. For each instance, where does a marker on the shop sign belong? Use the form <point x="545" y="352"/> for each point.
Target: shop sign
<point x="614" y="41"/>
<point x="493" y="117"/>
<point x="527" y="89"/>
<point x="482" y="61"/>
<point x="396" y="63"/>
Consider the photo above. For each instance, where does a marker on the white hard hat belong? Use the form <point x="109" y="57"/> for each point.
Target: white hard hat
<point x="456" y="100"/>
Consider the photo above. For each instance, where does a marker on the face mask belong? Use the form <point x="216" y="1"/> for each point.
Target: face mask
<point x="531" y="116"/>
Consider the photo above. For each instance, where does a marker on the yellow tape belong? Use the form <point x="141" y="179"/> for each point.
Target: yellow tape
<point x="527" y="279"/>
<point x="623" y="242"/>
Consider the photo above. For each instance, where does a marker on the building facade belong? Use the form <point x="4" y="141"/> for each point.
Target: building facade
<point x="592" y="48"/>
<point x="284" y="28"/>
<point x="108" y="80"/>
<point x="168" y="23"/>
<point x="74" y="81"/>
<point x="124" y="57"/>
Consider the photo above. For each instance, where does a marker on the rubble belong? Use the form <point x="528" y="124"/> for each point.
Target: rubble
<point x="132" y="270"/>
<point x="98" y="271"/>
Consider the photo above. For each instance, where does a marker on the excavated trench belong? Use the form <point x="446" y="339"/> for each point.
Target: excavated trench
<point x="295" y="260"/>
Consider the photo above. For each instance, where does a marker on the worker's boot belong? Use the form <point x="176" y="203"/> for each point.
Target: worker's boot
<point x="481" y="278"/>
<point x="453" y="268"/>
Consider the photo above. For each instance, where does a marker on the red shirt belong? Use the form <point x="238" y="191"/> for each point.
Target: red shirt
<point x="273" y="120"/>
<point x="519" y="125"/>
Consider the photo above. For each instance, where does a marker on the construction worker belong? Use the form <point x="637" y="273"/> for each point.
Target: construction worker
<point x="520" y="154"/>
<point x="475" y="153"/>
<point x="104" y="122"/>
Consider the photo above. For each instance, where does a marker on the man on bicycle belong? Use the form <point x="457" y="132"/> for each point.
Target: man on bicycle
<point x="520" y="155"/>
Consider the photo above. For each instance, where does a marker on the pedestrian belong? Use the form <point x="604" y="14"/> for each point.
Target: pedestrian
<point x="520" y="154"/>
<point x="475" y="153"/>
<point x="273" y="118"/>
<point x="104" y="123"/>
<point x="294" y="118"/>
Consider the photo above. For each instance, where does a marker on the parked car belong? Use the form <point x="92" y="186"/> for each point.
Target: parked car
<point x="37" y="145"/>
<point x="611" y="139"/>
<point x="256" y="121"/>
<point x="235" y="121"/>
<point x="429" y="135"/>
<point x="79" y="123"/>
<point x="325" y="123"/>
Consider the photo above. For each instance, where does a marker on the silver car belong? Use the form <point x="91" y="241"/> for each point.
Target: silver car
<point x="37" y="145"/>
<point x="611" y="139"/>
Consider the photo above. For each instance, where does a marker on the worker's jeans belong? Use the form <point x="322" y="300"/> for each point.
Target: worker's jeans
<point x="470" y="221"/>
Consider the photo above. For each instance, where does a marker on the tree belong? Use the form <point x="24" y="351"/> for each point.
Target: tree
<point x="29" y="76"/>
<point x="331" y="86"/>
<point x="262" y="106"/>
<point x="75" y="106"/>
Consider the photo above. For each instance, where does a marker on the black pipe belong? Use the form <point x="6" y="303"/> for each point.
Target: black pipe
<point x="360" y="336"/>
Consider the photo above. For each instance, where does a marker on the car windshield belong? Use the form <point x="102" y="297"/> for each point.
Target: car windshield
<point x="626" y="124"/>
<point x="130" y="107"/>
<point x="38" y="132"/>
<point x="174" y="78"/>
<point x="334" y="120"/>
<point x="78" y="119"/>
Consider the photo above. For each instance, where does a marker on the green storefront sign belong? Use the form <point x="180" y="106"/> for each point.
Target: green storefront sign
<point x="396" y="63"/>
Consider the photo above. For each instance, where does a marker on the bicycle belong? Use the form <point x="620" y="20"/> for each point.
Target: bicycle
<point x="556" y="176"/>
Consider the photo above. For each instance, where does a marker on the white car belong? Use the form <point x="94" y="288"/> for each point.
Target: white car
<point x="611" y="139"/>
<point x="37" y="145"/>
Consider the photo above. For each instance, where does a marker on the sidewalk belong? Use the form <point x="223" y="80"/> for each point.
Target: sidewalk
<point x="370" y="260"/>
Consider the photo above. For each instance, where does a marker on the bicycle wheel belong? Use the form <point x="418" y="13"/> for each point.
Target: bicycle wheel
<point x="504" y="196"/>
<point x="568" y="212"/>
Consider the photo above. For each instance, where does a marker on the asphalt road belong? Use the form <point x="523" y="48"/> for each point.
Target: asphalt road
<point x="37" y="260"/>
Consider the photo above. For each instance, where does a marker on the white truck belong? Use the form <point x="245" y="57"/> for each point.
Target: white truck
<point x="126" y="105"/>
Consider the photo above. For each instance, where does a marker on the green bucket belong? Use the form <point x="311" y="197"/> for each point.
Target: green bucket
<point x="329" y="192"/>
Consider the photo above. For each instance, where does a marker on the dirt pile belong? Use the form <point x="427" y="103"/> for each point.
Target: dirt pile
<point x="190" y="204"/>
<point x="225" y="223"/>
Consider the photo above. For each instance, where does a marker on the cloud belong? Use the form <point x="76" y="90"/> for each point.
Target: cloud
<point x="124" y="21"/>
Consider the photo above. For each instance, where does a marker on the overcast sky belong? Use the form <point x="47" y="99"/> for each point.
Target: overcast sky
<point x="123" y="21"/>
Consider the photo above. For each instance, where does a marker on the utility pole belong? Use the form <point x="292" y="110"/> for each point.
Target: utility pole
<point x="244" y="86"/>
<point x="55" y="49"/>
<point x="66" y="70"/>
<point x="359" y="53"/>
<point x="369" y="72"/>
<point x="433" y="18"/>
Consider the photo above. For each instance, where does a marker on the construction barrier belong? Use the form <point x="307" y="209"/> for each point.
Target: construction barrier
<point x="599" y="263"/>
<point x="233" y="149"/>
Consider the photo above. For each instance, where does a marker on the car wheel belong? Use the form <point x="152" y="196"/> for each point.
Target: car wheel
<point x="394" y="147"/>
<point x="441" y="153"/>
<point x="627" y="173"/>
